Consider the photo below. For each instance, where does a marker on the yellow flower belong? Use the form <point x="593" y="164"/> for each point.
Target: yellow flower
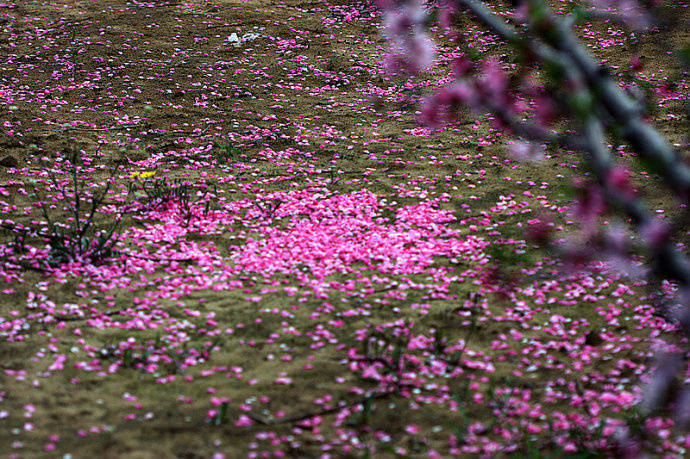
<point x="142" y="175"/>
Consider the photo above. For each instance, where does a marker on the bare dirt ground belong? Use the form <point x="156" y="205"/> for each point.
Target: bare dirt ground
<point x="320" y="216"/>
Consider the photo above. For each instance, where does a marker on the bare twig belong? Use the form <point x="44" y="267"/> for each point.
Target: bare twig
<point x="21" y="264"/>
<point x="110" y="128"/>
<point x="327" y="410"/>
<point x="79" y="318"/>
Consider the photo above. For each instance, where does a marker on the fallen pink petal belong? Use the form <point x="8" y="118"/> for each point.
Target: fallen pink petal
<point x="315" y="229"/>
